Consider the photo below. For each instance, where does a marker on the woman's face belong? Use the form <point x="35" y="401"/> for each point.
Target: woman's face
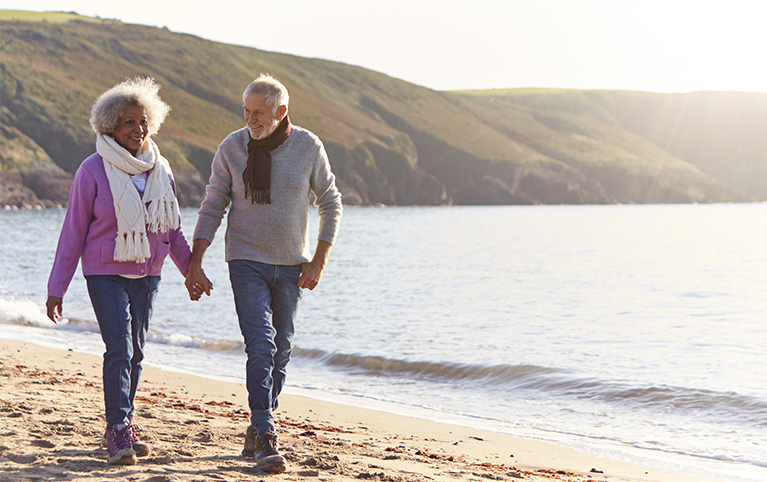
<point x="131" y="130"/>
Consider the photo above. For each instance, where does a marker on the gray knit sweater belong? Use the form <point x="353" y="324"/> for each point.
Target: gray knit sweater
<point x="273" y="233"/>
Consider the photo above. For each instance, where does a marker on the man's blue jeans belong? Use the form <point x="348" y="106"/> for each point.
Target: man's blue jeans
<point x="123" y="308"/>
<point x="266" y="298"/>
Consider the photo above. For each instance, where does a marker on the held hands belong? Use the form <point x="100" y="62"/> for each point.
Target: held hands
<point x="197" y="283"/>
<point x="54" y="308"/>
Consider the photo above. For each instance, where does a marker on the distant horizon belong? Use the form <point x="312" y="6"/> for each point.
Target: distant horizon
<point x="652" y="46"/>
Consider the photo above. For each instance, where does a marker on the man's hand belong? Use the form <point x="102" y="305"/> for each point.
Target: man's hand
<point x="54" y="306"/>
<point x="310" y="275"/>
<point x="311" y="272"/>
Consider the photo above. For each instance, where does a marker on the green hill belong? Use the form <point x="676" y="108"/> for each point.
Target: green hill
<point x="390" y="142"/>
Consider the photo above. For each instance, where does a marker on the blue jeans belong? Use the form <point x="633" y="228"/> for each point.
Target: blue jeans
<point x="123" y="308"/>
<point x="266" y="298"/>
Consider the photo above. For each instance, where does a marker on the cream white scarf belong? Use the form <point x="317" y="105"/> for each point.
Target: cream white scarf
<point x="158" y="210"/>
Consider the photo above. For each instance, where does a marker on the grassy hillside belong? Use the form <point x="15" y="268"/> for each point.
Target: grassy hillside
<point x="389" y="141"/>
<point x="579" y="129"/>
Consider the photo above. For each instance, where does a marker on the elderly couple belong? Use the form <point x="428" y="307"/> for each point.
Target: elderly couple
<point x="123" y="219"/>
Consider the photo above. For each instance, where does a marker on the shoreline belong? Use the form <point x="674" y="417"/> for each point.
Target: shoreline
<point x="196" y="425"/>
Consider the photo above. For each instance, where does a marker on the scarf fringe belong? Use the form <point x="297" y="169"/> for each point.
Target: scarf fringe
<point x="260" y="196"/>
<point x="162" y="215"/>
<point x="132" y="247"/>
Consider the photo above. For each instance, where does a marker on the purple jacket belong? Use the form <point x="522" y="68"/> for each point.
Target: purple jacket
<point x="90" y="229"/>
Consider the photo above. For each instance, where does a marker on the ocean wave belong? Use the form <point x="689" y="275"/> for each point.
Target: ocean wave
<point x="22" y="313"/>
<point x="29" y="313"/>
<point x="197" y="342"/>
<point x="436" y="370"/>
<point x="554" y="381"/>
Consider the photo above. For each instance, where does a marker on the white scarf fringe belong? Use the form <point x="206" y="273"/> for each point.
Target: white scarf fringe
<point x="134" y="218"/>
<point x="161" y="216"/>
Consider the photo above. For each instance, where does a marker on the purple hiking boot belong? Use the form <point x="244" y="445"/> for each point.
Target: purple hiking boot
<point x="120" y="446"/>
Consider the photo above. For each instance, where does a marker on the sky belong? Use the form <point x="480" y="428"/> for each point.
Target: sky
<point x="650" y="45"/>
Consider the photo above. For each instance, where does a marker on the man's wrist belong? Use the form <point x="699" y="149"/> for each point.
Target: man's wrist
<point x="319" y="261"/>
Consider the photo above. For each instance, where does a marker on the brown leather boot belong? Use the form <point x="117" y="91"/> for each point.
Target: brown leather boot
<point x="249" y="450"/>
<point x="268" y="458"/>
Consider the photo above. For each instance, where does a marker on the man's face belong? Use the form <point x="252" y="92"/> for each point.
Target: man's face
<point x="259" y="116"/>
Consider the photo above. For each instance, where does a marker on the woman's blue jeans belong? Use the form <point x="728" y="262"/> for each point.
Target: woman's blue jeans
<point x="266" y="298"/>
<point x="123" y="308"/>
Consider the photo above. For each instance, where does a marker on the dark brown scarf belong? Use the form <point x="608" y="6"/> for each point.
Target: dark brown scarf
<point x="258" y="174"/>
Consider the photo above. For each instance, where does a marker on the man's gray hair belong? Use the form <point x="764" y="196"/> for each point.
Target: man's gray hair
<point x="276" y="93"/>
<point x="139" y="91"/>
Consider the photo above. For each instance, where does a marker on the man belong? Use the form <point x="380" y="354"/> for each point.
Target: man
<point x="267" y="171"/>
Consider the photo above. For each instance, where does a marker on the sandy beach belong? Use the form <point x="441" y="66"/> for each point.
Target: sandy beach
<point x="51" y="423"/>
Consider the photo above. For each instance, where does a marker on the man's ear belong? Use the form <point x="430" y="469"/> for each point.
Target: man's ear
<point x="282" y="111"/>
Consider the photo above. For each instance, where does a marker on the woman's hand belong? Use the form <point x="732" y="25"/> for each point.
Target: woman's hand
<point x="54" y="308"/>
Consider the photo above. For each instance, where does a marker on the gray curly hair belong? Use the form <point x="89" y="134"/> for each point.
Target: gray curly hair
<point x="138" y="91"/>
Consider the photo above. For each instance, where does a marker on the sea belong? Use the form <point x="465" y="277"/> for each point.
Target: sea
<point x="633" y="332"/>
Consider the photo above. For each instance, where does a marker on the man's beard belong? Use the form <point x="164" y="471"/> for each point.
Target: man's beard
<point x="267" y="130"/>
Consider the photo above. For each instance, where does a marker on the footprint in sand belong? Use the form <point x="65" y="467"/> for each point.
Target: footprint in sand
<point x="46" y="444"/>
<point x="20" y="458"/>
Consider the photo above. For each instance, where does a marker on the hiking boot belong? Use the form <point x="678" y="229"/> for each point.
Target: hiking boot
<point x="119" y="446"/>
<point x="268" y="458"/>
<point x="141" y="449"/>
<point x="249" y="450"/>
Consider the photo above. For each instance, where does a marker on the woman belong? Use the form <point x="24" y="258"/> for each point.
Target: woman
<point x="122" y="221"/>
